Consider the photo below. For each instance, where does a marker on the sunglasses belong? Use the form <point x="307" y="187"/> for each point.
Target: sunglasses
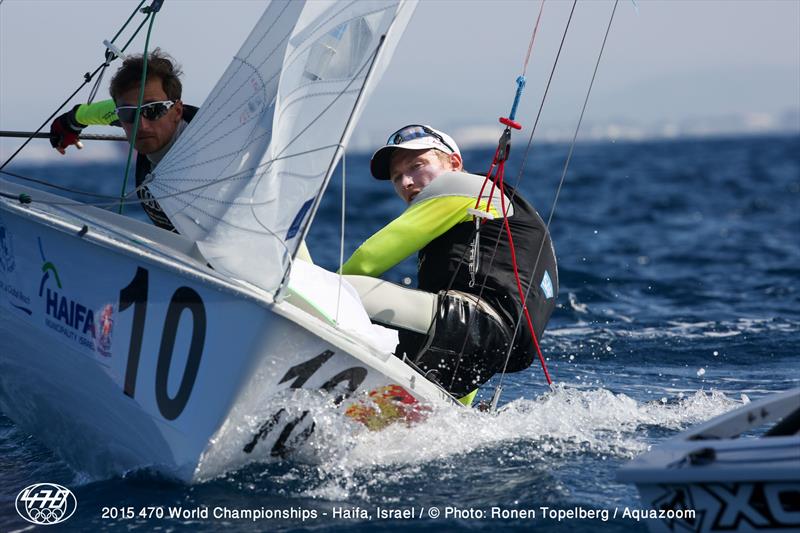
<point x="152" y="111"/>
<point x="415" y="131"/>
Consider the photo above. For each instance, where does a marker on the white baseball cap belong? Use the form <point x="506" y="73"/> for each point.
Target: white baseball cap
<point x="411" y="137"/>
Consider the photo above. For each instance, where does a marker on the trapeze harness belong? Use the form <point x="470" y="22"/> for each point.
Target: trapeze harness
<point x="143" y="167"/>
<point x="474" y="323"/>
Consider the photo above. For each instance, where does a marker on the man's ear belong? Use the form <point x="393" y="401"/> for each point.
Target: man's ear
<point x="179" y="109"/>
<point x="456" y="162"/>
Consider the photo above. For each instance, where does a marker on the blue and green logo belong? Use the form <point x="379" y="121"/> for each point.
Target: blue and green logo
<point x="60" y="307"/>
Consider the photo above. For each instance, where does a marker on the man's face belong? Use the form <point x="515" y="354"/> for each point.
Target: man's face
<point x="153" y="135"/>
<point x="412" y="170"/>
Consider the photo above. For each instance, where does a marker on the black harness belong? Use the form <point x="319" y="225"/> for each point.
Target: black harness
<point x="448" y="257"/>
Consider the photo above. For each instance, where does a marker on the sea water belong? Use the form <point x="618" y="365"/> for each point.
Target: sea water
<point x="679" y="269"/>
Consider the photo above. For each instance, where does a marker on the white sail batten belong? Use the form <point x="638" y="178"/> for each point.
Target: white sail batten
<point x="244" y="178"/>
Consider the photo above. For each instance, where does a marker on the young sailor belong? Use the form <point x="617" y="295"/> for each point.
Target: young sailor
<point x="478" y="303"/>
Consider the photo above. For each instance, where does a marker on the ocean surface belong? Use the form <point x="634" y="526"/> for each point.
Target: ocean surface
<point x="679" y="265"/>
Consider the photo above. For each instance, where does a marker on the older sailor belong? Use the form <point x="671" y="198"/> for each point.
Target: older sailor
<point x="470" y="335"/>
<point x="163" y="118"/>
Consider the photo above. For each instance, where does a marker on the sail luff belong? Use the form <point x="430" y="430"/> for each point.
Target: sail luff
<point x="334" y="161"/>
<point x="210" y="162"/>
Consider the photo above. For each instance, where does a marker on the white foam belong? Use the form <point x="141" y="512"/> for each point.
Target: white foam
<point x="349" y="459"/>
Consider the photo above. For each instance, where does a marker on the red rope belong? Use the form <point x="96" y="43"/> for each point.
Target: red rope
<point x="500" y="173"/>
<point x="488" y="175"/>
<point x="500" y="164"/>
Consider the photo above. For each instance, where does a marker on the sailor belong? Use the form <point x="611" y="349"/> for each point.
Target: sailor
<point x="163" y="119"/>
<point x="470" y="272"/>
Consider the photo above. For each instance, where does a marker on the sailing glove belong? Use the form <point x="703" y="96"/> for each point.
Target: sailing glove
<point x="64" y="131"/>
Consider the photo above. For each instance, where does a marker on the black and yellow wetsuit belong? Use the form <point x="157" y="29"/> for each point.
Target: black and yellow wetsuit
<point x="438" y="227"/>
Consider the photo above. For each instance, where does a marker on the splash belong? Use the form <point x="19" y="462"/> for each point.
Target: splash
<point x="344" y="460"/>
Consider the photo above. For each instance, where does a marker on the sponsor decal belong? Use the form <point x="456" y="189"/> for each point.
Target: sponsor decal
<point x="730" y="506"/>
<point x="16" y="298"/>
<point x="547" y="285"/>
<point x="70" y="317"/>
<point x="7" y="262"/>
<point x="298" y="219"/>
<point x="46" y="504"/>
<point x="294" y="431"/>
<point x="105" y="326"/>
<point x="678" y="498"/>
<point x="387" y="405"/>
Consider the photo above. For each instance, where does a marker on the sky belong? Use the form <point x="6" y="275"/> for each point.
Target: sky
<point x="670" y="68"/>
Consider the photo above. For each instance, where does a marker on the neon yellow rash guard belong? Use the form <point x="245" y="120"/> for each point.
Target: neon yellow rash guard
<point x="102" y="113"/>
<point x="409" y="233"/>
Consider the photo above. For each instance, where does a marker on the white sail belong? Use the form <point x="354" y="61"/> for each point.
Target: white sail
<point x="245" y="177"/>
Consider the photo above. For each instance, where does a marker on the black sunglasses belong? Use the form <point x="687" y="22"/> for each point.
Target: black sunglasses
<point x="415" y="131"/>
<point x="152" y="111"/>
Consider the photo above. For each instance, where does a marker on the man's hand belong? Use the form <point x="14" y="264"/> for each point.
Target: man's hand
<point x="64" y="131"/>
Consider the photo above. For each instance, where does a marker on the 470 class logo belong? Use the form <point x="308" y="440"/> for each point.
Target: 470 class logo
<point x="46" y="504"/>
<point x="78" y="318"/>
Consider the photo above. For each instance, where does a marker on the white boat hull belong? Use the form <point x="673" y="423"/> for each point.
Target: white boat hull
<point x="709" y="479"/>
<point x="121" y="351"/>
<point x="753" y="506"/>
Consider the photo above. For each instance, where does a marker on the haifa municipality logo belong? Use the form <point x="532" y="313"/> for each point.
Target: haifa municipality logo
<point x="46" y="504"/>
<point x="71" y="317"/>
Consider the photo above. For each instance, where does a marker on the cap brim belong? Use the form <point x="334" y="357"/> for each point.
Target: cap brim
<point x="379" y="164"/>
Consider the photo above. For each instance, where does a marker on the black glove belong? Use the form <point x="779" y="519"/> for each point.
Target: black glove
<point x="64" y="131"/>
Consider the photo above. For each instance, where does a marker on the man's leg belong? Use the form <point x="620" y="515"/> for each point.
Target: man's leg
<point x="466" y="345"/>
<point x="395" y="306"/>
<point x="458" y="340"/>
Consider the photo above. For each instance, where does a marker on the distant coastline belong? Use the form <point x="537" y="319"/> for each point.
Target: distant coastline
<point x="476" y="137"/>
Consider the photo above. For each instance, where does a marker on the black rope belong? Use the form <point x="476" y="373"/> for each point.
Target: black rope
<point x="514" y="192"/>
<point x="516" y="188"/>
<point x="87" y="78"/>
<point x="22" y="197"/>
<point x="98" y="81"/>
<point x="133" y="14"/>
<point x="544" y="97"/>
<point x="54" y="186"/>
<point x="239" y="175"/>
<point x="564" y="171"/>
<point x="151" y="17"/>
<point x="498" y="238"/>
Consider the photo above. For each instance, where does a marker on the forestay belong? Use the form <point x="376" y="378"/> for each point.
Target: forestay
<point x="245" y="177"/>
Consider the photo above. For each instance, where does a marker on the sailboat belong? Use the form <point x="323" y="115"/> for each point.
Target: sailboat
<point x="727" y="474"/>
<point x="124" y="346"/>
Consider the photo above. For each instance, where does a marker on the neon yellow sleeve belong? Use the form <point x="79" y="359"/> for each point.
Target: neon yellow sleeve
<point x="98" y="113"/>
<point x="409" y="233"/>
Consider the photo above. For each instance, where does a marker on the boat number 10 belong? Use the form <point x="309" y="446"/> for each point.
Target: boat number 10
<point x="184" y="298"/>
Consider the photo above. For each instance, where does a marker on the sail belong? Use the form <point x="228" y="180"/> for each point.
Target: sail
<point x="245" y="177"/>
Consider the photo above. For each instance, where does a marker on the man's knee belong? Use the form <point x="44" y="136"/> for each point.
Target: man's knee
<point x="466" y="345"/>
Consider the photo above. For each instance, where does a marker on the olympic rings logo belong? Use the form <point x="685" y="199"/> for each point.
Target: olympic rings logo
<point x="46" y="504"/>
